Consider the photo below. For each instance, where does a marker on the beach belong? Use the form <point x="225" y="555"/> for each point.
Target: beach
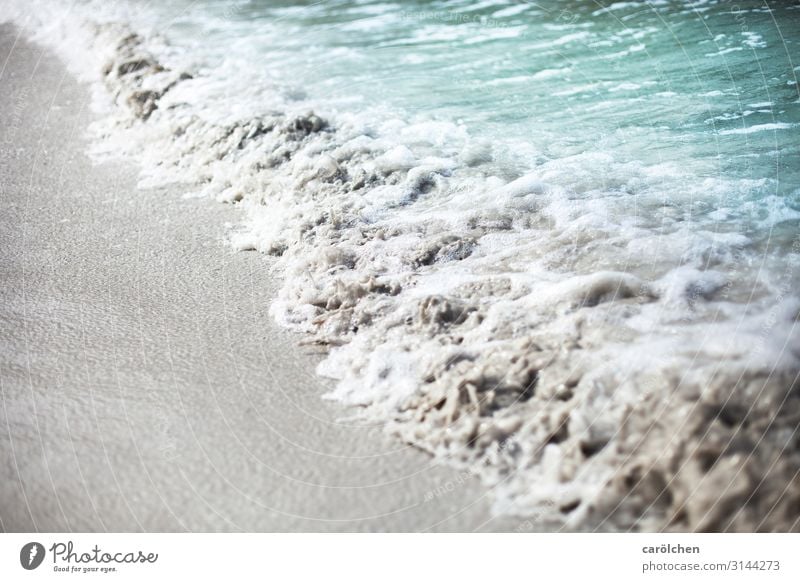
<point x="145" y="386"/>
<point x="331" y="261"/>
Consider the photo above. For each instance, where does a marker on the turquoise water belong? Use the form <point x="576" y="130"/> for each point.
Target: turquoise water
<point x="709" y="84"/>
<point x="708" y="88"/>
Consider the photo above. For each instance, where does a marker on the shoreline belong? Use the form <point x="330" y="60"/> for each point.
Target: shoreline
<point x="145" y="385"/>
<point x="601" y="395"/>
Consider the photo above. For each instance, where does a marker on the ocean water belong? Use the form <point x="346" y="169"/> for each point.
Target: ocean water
<point x="555" y="243"/>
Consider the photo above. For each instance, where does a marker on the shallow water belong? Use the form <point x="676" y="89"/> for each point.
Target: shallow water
<point x="553" y="242"/>
<point x="710" y="84"/>
<point x="663" y="112"/>
<point x="560" y="77"/>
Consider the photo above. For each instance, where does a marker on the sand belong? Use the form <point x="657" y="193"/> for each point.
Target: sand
<point x="144" y="385"/>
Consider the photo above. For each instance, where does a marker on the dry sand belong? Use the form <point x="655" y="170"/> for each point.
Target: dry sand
<point x="144" y="385"/>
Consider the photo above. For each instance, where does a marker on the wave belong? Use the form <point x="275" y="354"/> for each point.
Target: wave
<point x="757" y="128"/>
<point x="598" y="369"/>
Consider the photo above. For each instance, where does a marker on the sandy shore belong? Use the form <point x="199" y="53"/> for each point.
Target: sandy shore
<point x="144" y="386"/>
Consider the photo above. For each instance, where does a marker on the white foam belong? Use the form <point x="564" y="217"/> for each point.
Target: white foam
<point x="758" y="128"/>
